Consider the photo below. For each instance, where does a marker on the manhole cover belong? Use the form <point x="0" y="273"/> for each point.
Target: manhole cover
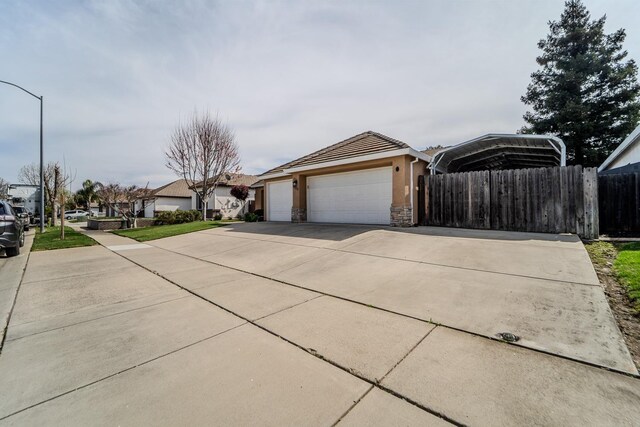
<point x="508" y="336"/>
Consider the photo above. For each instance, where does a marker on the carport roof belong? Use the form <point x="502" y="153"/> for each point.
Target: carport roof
<point x="501" y="151"/>
<point x="366" y="143"/>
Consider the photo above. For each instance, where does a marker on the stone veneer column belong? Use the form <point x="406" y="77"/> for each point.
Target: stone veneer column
<point x="299" y="208"/>
<point x="401" y="216"/>
<point x="298" y="215"/>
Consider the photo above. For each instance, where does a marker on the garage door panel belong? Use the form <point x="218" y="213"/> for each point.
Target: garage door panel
<point x="362" y="197"/>
<point x="279" y="200"/>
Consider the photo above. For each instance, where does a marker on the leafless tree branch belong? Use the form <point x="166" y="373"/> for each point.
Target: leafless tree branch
<point x="202" y="151"/>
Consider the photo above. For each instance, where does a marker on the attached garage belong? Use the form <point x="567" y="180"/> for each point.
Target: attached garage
<point x="369" y="178"/>
<point x="359" y="197"/>
<point x="279" y="200"/>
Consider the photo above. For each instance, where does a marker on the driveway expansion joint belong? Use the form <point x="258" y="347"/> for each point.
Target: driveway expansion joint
<point x="300" y="347"/>
<point x="121" y="371"/>
<point x="430" y="321"/>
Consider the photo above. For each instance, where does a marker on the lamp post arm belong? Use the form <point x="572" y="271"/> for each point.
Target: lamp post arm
<point x="41" y="98"/>
<point x="21" y="88"/>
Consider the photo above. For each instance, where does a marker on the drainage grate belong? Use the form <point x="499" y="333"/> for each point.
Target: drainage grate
<point x="508" y="336"/>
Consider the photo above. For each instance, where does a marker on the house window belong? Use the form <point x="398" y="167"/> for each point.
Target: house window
<point x="198" y="202"/>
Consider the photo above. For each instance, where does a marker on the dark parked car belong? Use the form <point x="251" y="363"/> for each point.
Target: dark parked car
<point x="24" y="215"/>
<point x="11" y="230"/>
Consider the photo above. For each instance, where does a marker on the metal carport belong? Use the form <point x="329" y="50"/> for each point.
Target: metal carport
<point x="501" y="151"/>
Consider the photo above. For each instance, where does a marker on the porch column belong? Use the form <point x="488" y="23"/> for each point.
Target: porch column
<point x="401" y="212"/>
<point x="299" y="207"/>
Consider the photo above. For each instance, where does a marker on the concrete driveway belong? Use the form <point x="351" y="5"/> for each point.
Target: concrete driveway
<point x="316" y="324"/>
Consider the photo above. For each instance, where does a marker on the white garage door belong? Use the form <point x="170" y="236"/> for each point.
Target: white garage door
<point x="362" y="197"/>
<point x="279" y="201"/>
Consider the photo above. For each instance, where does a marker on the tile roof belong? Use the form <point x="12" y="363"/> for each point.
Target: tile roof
<point x="178" y="188"/>
<point x="231" y="179"/>
<point x="360" y="145"/>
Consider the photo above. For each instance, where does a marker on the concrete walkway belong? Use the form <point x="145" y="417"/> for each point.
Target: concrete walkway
<point x="166" y="333"/>
<point x="11" y="271"/>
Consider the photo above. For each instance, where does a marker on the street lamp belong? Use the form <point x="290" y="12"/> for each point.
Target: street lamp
<point x="41" y="155"/>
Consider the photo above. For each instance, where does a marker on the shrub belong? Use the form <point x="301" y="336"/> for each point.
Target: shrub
<point x="165" y="218"/>
<point x="217" y="217"/>
<point x="250" y="217"/>
<point x="177" y="217"/>
<point x="240" y="192"/>
<point x="260" y="214"/>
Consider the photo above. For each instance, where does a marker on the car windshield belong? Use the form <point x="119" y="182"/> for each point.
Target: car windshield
<point x="19" y="209"/>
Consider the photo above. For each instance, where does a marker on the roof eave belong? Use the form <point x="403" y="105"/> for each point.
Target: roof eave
<point x="375" y="156"/>
<point x="628" y="141"/>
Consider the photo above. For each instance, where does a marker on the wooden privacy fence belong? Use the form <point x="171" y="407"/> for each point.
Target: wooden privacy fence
<point x="619" y="198"/>
<point x="544" y="200"/>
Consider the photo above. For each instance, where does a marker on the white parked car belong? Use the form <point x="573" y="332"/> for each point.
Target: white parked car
<point x="74" y="214"/>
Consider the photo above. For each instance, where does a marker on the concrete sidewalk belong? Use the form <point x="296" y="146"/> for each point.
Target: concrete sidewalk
<point x="140" y="334"/>
<point x="11" y="271"/>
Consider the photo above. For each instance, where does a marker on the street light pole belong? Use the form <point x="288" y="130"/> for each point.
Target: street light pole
<point x="41" y="98"/>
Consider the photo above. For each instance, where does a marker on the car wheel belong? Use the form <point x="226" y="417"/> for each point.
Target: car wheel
<point x="15" y="251"/>
<point x="21" y="240"/>
<point x="67" y="217"/>
<point x="26" y="228"/>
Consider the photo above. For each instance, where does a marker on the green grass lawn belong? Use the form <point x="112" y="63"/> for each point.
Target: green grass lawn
<point x="624" y="261"/>
<point x="627" y="267"/>
<point x="160" y="231"/>
<point x="50" y="239"/>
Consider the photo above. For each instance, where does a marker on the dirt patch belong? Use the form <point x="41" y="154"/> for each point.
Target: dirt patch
<point x="602" y="255"/>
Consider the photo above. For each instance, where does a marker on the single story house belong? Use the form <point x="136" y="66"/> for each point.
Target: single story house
<point x="222" y="202"/>
<point x="371" y="178"/>
<point x="170" y="197"/>
<point x="625" y="158"/>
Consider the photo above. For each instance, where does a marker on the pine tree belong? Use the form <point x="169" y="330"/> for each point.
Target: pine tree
<point x="585" y="92"/>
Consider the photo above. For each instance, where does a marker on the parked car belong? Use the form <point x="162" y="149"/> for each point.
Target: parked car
<point x="74" y="214"/>
<point x="24" y="215"/>
<point x="11" y="230"/>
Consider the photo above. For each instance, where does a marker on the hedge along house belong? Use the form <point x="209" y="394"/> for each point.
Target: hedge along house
<point x="369" y="178"/>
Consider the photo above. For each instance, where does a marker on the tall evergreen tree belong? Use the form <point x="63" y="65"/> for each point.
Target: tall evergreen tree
<point x="585" y="92"/>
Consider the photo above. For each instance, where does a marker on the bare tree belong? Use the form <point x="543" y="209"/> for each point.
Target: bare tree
<point x="4" y="189"/>
<point x="202" y="151"/>
<point x="30" y="174"/>
<point x="123" y="199"/>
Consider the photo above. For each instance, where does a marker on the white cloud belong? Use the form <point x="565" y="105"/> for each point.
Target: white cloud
<point x="290" y="77"/>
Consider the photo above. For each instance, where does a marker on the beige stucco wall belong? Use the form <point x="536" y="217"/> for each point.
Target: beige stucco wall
<point x="401" y="181"/>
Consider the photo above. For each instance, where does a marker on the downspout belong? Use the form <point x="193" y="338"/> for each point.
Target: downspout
<point x="413" y="187"/>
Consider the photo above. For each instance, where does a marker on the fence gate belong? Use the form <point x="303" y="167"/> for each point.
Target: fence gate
<point x="543" y="200"/>
<point x="619" y="197"/>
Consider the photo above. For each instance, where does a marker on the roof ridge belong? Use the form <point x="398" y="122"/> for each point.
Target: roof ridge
<point x="336" y="146"/>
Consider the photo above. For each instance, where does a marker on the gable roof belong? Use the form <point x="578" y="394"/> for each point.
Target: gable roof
<point x="624" y="145"/>
<point x="365" y="143"/>
<point x="178" y="188"/>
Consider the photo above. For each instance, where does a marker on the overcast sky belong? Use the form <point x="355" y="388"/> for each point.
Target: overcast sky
<point x="289" y="77"/>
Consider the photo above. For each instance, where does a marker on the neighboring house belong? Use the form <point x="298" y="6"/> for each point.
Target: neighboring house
<point x="25" y="195"/>
<point x="371" y="178"/>
<point x="222" y="202"/>
<point x="367" y="179"/>
<point x="170" y="197"/>
<point x="625" y="158"/>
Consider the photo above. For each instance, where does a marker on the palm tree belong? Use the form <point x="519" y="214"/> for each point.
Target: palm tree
<point x="88" y="194"/>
